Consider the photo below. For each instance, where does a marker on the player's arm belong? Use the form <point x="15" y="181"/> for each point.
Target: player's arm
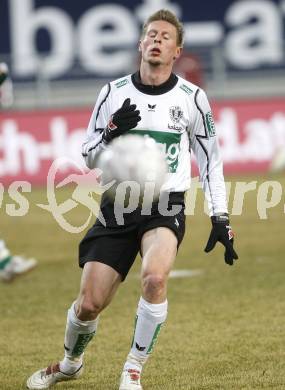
<point x="104" y="126"/>
<point x="204" y="143"/>
<point x="93" y="143"/>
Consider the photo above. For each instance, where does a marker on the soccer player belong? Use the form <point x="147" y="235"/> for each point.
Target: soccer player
<point x="11" y="266"/>
<point x="176" y="113"/>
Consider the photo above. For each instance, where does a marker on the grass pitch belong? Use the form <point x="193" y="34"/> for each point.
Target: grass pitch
<point x="225" y="328"/>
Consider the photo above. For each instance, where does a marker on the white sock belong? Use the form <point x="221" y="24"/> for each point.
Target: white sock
<point x="4" y="252"/>
<point x="149" y="320"/>
<point x="77" y="335"/>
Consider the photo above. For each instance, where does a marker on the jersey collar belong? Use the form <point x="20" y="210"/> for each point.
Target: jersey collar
<point x="154" y="89"/>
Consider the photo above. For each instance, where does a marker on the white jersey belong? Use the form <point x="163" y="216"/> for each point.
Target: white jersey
<point x="177" y="115"/>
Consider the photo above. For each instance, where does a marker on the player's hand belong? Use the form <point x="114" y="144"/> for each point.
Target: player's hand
<point x="3" y="72"/>
<point x="222" y="232"/>
<point x="124" y="119"/>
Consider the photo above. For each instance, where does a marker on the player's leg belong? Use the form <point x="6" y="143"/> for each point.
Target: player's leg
<point x="115" y="250"/>
<point x="159" y="248"/>
<point x="99" y="283"/>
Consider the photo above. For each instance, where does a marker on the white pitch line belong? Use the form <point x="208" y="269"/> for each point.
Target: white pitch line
<point x="263" y="259"/>
<point x="185" y="273"/>
<point x="181" y="273"/>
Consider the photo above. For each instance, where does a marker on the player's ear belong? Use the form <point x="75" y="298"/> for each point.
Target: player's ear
<point x="140" y="46"/>
<point x="178" y="53"/>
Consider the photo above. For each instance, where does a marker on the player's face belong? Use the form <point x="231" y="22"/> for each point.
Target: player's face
<point x="159" y="44"/>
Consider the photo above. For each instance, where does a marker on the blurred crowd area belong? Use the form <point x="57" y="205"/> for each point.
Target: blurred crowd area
<point x="60" y="55"/>
<point x="206" y="67"/>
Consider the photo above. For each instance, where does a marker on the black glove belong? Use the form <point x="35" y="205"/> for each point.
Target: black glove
<point x="222" y="232"/>
<point x="3" y="73"/>
<point x="124" y="119"/>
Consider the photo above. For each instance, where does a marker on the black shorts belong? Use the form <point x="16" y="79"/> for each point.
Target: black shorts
<point x="118" y="245"/>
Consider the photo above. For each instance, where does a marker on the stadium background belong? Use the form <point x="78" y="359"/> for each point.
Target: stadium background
<point x="228" y="322"/>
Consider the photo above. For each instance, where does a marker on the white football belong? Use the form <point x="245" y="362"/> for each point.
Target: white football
<point x="136" y="162"/>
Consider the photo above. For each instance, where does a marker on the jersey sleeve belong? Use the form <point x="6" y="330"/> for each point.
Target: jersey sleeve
<point x="93" y="143"/>
<point x="204" y="143"/>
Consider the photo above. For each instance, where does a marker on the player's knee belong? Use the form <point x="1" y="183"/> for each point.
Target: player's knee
<point x="154" y="285"/>
<point x="89" y="308"/>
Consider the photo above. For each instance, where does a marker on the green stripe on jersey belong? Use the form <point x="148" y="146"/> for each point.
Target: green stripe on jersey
<point x="210" y="124"/>
<point x="186" y="89"/>
<point x="169" y="143"/>
<point x="121" y="83"/>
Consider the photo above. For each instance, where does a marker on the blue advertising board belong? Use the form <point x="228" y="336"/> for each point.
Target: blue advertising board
<point x="100" y="37"/>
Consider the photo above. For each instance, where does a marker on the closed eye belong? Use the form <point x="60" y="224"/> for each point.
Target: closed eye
<point x="152" y="33"/>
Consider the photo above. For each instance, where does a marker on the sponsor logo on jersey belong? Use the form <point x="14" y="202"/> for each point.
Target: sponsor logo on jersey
<point x="210" y="124"/>
<point x="186" y="89"/>
<point x="151" y="107"/>
<point x="176" y="114"/>
<point x="175" y="127"/>
<point x="169" y="143"/>
<point x="121" y="83"/>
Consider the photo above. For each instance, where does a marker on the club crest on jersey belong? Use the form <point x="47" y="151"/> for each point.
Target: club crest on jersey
<point x="176" y="115"/>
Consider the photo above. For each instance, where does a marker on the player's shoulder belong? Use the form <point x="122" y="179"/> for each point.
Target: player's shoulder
<point x="115" y="86"/>
<point x="121" y="82"/>
<point x="189" y="88"/>
<point x="197" y="96"/>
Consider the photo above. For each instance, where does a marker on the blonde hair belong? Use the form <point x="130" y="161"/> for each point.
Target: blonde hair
<point x="167" y="16"/>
